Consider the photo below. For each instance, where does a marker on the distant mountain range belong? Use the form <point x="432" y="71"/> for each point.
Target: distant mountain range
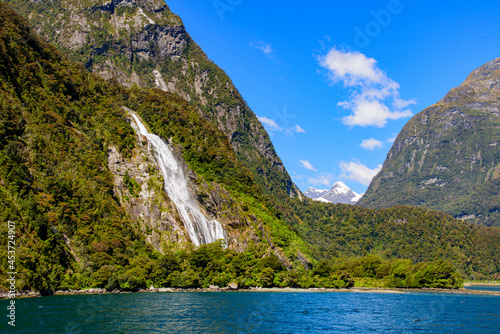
<point x="338" y="193"/>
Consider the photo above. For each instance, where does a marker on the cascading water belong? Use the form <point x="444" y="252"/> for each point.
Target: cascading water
<point x="200" y="229"/>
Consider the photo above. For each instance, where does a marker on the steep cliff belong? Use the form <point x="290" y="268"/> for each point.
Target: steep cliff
<point x="142" y="42"/>
<point x="139" y="185"/>
<point x="447" y="157"/>
<point x="84" y="189"/>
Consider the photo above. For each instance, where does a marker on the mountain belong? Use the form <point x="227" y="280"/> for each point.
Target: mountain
<point x="338" y="193"/>
<point x="141" y="42"/>
<point x="447" y="157"/>
<point x="113" y="187"/>
<point x="315" y="193"/>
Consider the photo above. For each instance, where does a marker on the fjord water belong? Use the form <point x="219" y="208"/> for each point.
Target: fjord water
<point x="494" y="288"/>
<point x="200" y="229"/>
<point x="259" y="312"/>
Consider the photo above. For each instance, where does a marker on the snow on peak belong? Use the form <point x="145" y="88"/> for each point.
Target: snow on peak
<point x="340" y="188"/>
<point x="339" y="193"/>
<point x="339" y="184"/>
<point x="315" y="193"/>
<point x="356" y="198"/>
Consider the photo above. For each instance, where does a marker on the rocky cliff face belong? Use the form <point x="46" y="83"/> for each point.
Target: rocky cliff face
<point x="447" y="157"/>
<point x="139" y="188"/>
<point x="142" y="42"/>
<point x="138" y="184"/>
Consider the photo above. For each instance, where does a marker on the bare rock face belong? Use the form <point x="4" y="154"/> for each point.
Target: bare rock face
<point x="447" y="158"/>
<point x="139" y="187"/>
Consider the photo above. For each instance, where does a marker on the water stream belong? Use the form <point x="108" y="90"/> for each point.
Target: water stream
<point x="200" y="229"/>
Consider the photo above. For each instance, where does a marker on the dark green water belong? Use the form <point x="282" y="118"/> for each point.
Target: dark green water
<point x="257" y="312"/>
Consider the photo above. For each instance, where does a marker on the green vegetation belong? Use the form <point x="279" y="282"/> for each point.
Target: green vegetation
<point x="106" y="48"/>
<point x="57" y="122"/>
<point x="372" y="271"/>
<point x="213" y="265"/>
<point x="417" y="234"/>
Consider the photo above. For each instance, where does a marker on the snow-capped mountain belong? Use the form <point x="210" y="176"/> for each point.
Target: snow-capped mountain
<point x="339" y="193"/>
<point x="315" y="193"/>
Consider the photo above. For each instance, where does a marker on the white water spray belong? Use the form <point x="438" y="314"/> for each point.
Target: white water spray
<point x="200" y="229"/>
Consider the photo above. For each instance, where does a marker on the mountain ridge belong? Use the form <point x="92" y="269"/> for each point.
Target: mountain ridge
<point x="142" y="42"/>
<point x="447" y="157"/>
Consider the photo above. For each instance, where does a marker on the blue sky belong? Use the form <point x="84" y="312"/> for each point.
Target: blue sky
<point x="335" y="81"/>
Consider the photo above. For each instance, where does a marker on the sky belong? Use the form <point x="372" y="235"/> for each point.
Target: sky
<point x="333" y="82"/>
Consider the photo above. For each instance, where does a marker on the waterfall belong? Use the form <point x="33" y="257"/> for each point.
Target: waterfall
<point x="200" y="229"/>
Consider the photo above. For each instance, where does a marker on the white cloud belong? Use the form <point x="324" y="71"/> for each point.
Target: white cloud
<point x="375" y="97"/>
<point x="371" y="144"/>
<point x="369" y="111"/>
<point x="306" y="164"/>
<point x="325" y="179"/>
<point x="354" y="170"/>
<point x="299" y="129"/>
<point x="351" y="67"/>
<point x="269" y="124"/>
<point x="266" y="48"/>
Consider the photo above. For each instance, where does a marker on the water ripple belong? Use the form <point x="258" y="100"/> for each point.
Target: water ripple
<point x="252" y="312"/>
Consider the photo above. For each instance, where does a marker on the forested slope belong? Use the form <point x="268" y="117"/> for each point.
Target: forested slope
<point x="58" y="123"/>
<point x="418" y="234"/>
<point x="141" y="42"/>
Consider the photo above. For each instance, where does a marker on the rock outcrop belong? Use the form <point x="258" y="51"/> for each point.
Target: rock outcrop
<point x="139" y="186"/>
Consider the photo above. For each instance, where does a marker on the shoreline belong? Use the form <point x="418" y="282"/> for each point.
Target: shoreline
<point x="462" y="291"/>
